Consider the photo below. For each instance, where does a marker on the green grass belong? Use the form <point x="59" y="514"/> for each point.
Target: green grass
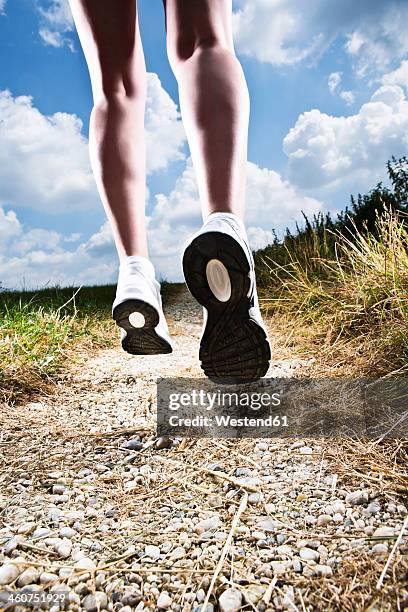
<point x="41" y="330"/>
<point x="38" y="328"/>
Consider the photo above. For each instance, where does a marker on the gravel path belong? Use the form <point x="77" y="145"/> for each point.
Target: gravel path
<point x="90" y="506"/>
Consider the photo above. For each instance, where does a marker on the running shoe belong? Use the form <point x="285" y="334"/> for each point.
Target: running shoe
<point x="219" y="270"/>
<point x="138" y="309"/>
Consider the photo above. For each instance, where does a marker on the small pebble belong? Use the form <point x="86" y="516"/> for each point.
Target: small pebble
<point x="133" y="444"/>
<point x="85" y="563"/>
<point x="262" y="446"/>
<point x="324" y="519"/>
<point x="255" y="498"/>
<point x="323" y="570"/>
<point x="64" y="549"/>
<point x="374" y="507"/>
<point x="379" y="549"/>
<point x="8" y="573"/>
<point x="67" y="532"/>
<point x="163" y="442"/>
<point x="338" y="507"/>
<point x="357" y="498"/>
<point x="48" y="578"/>
<point x="164" y="601"/>
<point x="95" y="601"/>
<point x="153" y="552"/>
<point x="29" y="576"/>
<point x="207" y="524"/>
<point x="308" y="554"/>
<point x="384" y="532"/>
<point x="230" y="600"/>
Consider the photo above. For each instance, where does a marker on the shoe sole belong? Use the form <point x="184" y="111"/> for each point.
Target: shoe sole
<point x="234" y="348"/>
<point x="140" y="340"/>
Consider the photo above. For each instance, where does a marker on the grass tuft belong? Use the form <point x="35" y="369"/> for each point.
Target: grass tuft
<point x="40" y="329"/>
<point x="355" y="303"/>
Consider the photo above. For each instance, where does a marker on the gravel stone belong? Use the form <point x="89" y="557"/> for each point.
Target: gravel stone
<point x="207" y="524"/>
<point x="48" y="578"/>
<point x="64" y="549"/>
<point x="323" y="570"/>
<point x="384" y="532"/>
<point x="153" y="552"/>
<point x="8" y="573"/>
<point x="133" y="444"/>
<point x="230" y="600"/>
<point x="67" y="532"/>
<point x="308" y="554"/>
<point x="163" y="442"/>
<point x="324" y="519"/>
<point x="379" y="549"/>
<point x="29" y="576"/>
<point x="374" y="507"/>
<point x="255" y="498"/>
<point x="357" y="498"/>
<point x="164" y="601"/>
<point x="85" y="563"/>
<point x="95" y="601"/>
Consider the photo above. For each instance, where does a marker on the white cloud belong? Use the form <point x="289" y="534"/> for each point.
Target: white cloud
<point x="326" y="150"/>
<point x="10" y="226"/>
<point x="398" y="76"/>
<point x="2" y="6"/>
<point x="348" y="97"/>
<point x="44" y="160"/>
<point x="54" y="39"/>
<point x="74" y="237"/>
<point x="36" y="257"/>
<point x="56" y="23"/>
<point x="34" y="239"/>
<point x="283" y="32"/>
<point x="259" y="238"/>
<point x="165" y="136"/>
<point x="334" y="82"/>
<point x="380" y="40"/>
<point x="57" y="13"/>
<point x="273" y="203"/>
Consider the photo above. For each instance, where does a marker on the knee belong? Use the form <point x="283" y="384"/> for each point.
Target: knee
<point x="119" y="91"/>
<point x="184" y="46"/>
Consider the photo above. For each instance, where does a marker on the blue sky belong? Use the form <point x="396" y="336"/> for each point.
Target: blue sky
<point x="328" y="107"/>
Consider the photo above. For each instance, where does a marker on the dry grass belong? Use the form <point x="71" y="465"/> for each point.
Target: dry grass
<point x="351" y="311"/>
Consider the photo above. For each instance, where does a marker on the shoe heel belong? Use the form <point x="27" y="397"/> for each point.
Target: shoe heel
<point x="134" y="315"/>
<point x="216" y="270"/>
<point x="138" y="320"/>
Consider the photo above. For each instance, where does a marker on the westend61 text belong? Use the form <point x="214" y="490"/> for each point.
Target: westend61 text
<point x="228" y="421"/>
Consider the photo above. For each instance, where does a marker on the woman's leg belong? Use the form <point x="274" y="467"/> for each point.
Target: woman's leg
<point x="213" y="98"/>
<point x="109" y="34"/>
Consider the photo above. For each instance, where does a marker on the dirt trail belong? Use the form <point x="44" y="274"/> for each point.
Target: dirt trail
<point x="87" y="507"/>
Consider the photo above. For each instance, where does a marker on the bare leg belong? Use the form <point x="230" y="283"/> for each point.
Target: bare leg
<point x="213" y="98"/>
<point x="110" y="38"/>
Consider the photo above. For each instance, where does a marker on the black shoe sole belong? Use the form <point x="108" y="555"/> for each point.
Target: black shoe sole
<point x="234" y="348"/>
<point x="140" y="340"/>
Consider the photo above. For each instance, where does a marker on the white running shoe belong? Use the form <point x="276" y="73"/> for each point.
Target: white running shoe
<point x="138" y="310"/>
<point x="219" y="270"/>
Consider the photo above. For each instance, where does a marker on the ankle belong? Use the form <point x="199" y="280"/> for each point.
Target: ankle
<point x="137" y="263"/>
